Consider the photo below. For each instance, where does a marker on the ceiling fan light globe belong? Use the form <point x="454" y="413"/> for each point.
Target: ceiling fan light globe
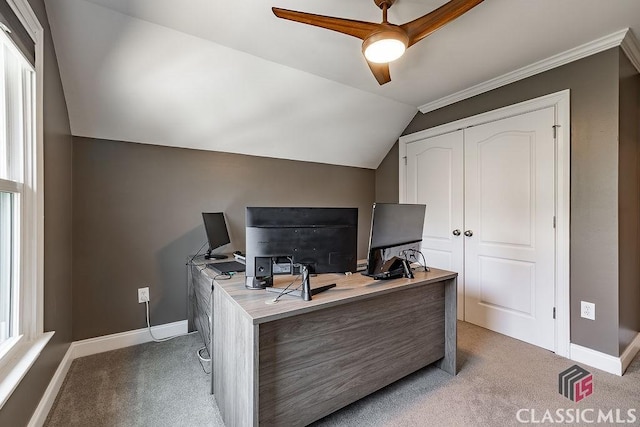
<point x="384" y="51"/>
<point x="386" y="45"/>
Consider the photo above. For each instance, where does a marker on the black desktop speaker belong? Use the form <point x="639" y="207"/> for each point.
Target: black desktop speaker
<point x="264" y="266"/>
<point x="263" y="274"/>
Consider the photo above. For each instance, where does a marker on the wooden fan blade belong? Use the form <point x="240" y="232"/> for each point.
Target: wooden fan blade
<point x="359" y="29"/>
<point x="380" y="72"/>
<point x="422" y="27"/>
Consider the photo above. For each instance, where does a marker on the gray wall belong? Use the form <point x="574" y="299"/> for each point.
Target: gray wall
<point x="137" y="215"/>
<point x="57" y="240"/>
<point x="387" y="177"/>
<point x="629" y="203"/>
<point x="594" y="180"/>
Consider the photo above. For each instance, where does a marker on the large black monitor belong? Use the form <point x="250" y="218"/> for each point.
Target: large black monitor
<point x="281" y="239"/>
<point x="217" y="233"/>
<point x="394" y="228"/>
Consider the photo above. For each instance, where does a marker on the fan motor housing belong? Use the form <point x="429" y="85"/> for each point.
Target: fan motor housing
<point x="381" y="3"/>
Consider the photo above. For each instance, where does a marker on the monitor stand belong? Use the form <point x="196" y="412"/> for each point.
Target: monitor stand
<point x="393" y="268"/>
<point x="209" y="255"/>
<point x="258" y="283"/>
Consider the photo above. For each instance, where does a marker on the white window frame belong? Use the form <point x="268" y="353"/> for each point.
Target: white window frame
<point x="31" y="339"/>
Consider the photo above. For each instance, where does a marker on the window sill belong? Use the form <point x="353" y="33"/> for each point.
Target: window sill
<point x="18" y="364"/>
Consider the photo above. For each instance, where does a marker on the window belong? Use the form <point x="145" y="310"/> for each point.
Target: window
<point x="8" y="263"/>
<point x="21" y="224"/>
<point x="16" y="115"/>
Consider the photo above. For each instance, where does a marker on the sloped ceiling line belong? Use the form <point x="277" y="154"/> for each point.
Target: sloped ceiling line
<point x="128" y="79"/>
<point x="229" y="76"/>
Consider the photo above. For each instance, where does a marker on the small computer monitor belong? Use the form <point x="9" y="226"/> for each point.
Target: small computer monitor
<point x="395" y="227"/>
<point x="217" y="233"/>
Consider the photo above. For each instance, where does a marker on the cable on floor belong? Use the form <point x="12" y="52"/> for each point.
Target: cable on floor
<point x="204" y="360"/>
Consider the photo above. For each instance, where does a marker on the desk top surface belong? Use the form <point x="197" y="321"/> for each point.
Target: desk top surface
<point x="259" y="307"/>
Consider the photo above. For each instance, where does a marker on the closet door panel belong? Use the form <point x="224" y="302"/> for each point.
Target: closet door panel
<point x="509" y="241"/>
<point x="435" y="179"/>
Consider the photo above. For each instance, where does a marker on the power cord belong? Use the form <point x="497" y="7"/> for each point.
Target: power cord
<point x="197" y="253"/>
<point x="284" y="291"/>
<point x="411" y="255"/>
<point x="203" y="360"/>
<point x="151" y="333"/>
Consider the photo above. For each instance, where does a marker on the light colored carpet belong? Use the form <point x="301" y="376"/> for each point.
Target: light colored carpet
<point x="163" y="384"/>
<point x="152" y="384"/>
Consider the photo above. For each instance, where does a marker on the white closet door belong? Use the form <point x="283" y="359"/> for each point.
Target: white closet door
<point x="509" y="231"/>
<point x="435" y="178"/>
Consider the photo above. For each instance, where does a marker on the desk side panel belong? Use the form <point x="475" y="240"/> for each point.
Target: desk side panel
<point x="449" y="362"/>
<point x="200" y="303"/>
<point x="313" y="364"/>
<point x="234" y="362"/>
<point x="191" y="299"/>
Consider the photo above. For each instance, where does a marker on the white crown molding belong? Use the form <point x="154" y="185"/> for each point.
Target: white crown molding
<point x="596" y="46"/>
<point x="631" y="48"/>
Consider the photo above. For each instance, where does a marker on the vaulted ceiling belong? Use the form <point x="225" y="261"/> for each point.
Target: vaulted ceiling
<point x="230" y="76"/>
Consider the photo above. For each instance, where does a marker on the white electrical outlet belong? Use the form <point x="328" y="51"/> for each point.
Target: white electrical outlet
<point x="588" y="310"/>
<point x="143" y="295"/>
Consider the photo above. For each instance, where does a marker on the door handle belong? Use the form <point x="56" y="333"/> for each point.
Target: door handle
<point x="468" y="233"/>
<point x="456" y="232"/>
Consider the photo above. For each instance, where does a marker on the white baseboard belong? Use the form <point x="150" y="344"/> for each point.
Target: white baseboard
<point x="40" y="415"/>
<point x="94" y="346"/>
<point x="126" y="339"/>
<point x="606" y="362"/>
<point x="602" y="361"/>
<point x="630" y="352"/>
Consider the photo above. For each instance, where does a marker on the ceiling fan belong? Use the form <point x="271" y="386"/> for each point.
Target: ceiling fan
<point x="384" y="42"/>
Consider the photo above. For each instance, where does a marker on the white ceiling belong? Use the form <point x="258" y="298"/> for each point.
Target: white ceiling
<point x="230" y="76"/>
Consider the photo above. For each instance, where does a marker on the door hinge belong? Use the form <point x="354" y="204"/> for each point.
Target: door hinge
<point x="405" y="160"/>
<point x="554" y="312"/>
<point x="554" y="222"/>
<point x="555" y="131"/>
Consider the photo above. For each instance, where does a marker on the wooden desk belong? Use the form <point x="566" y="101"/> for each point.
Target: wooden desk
<point x="294" y="362"/>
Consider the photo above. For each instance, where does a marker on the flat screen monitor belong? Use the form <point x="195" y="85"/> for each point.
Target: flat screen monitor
<point x="217" y="233"/>
<point x="324" y="240"/>
<point x="394" y="227"/>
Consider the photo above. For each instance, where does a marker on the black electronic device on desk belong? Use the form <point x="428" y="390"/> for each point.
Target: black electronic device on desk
<point x="299" y="241"/>
<point x="393" y="268"/>
<point x="226" y="267"/>
<point x="395" y="228"/>
<point x="217" y="233"/>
